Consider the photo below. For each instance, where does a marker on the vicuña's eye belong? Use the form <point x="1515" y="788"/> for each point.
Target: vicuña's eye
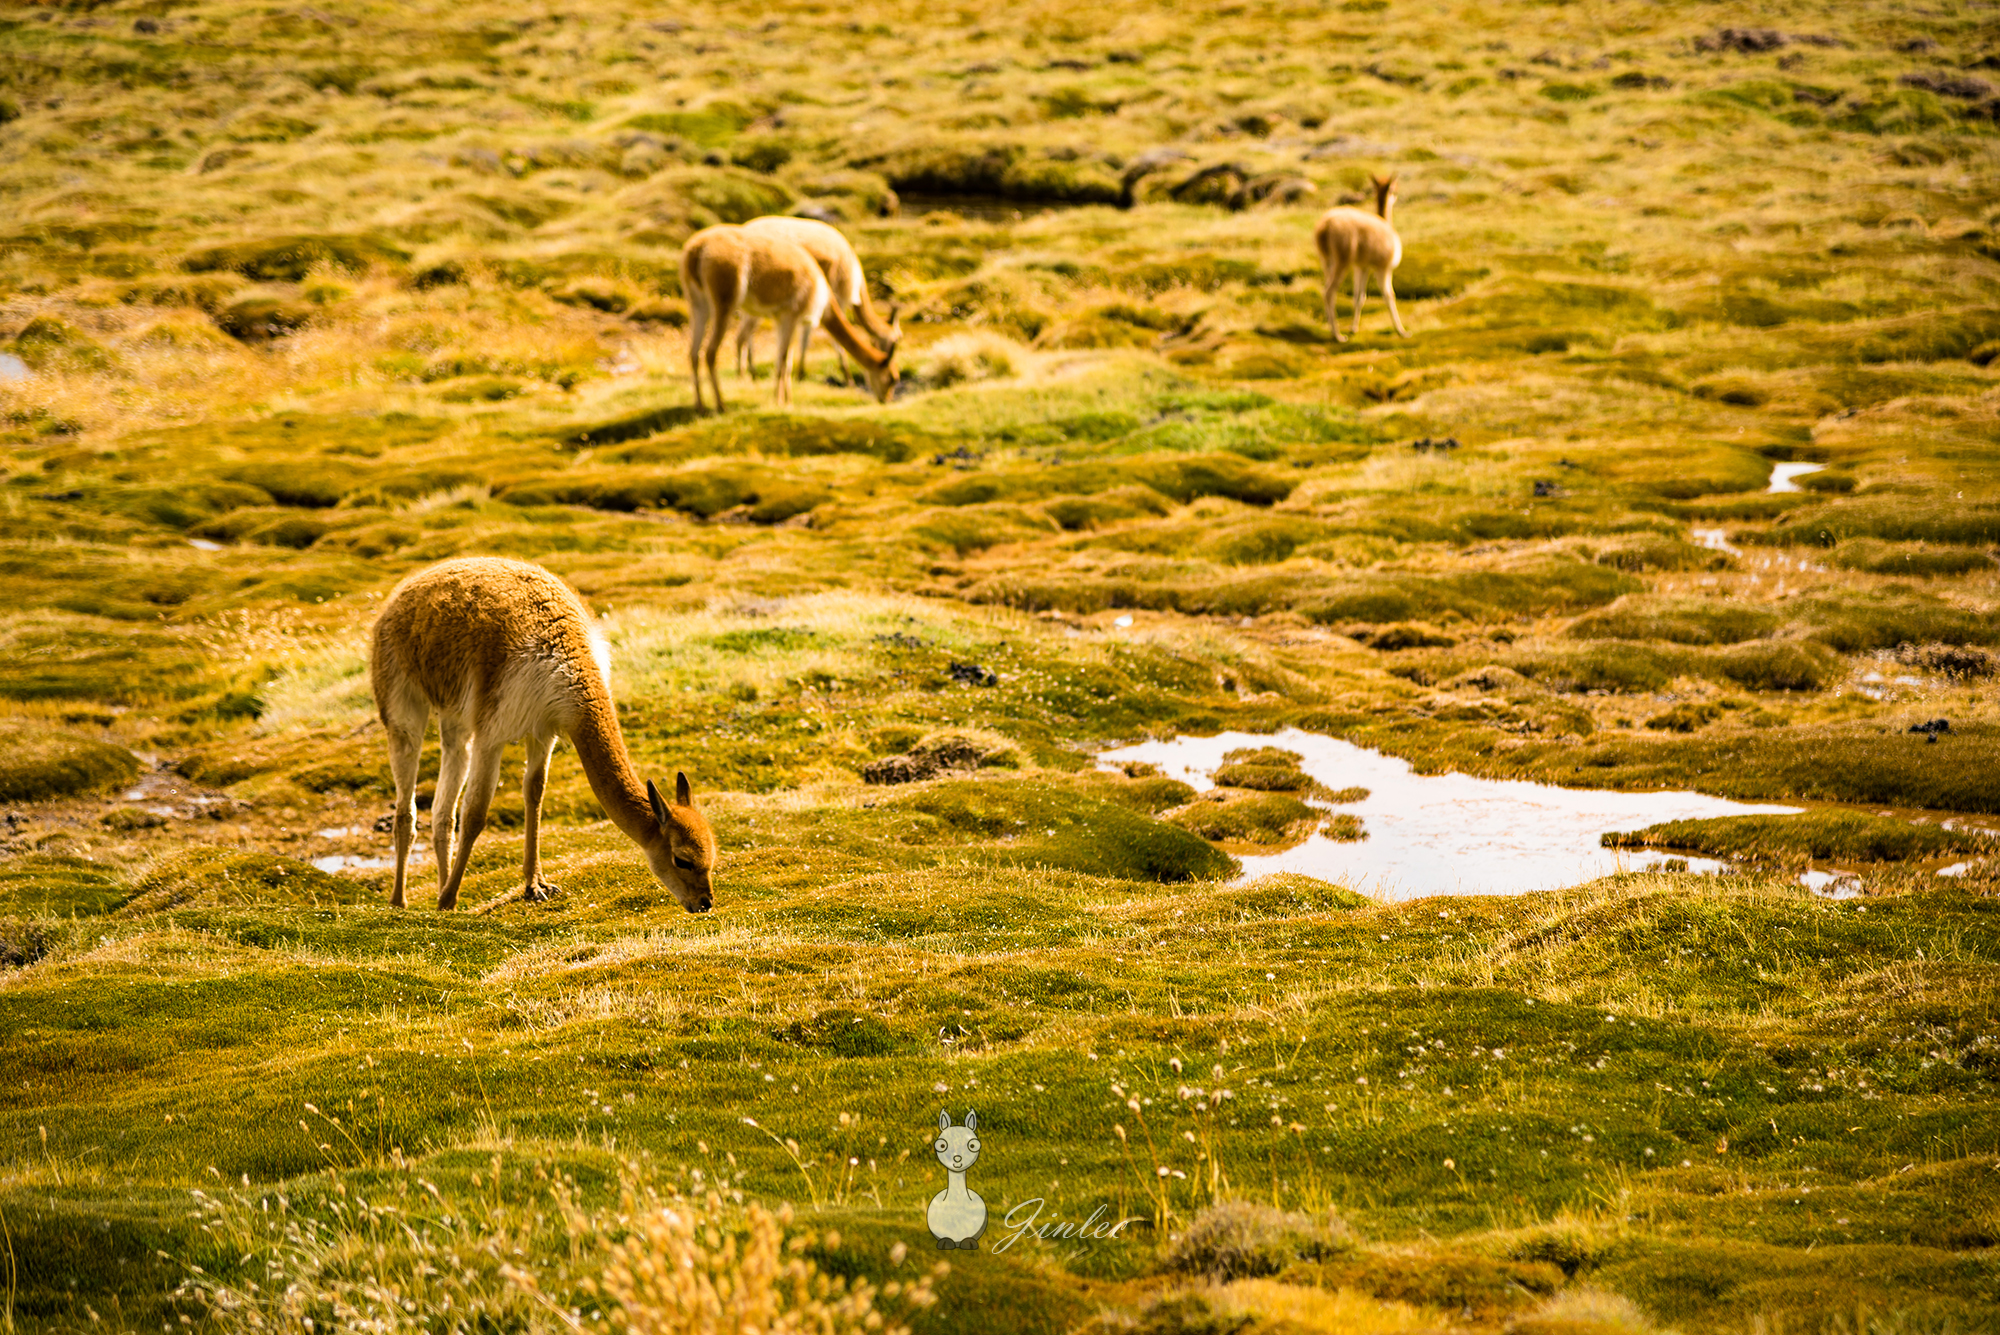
<point x="972" y="1145"/>
<point x="942" y="1147"/>
<point x="685" y="864"/>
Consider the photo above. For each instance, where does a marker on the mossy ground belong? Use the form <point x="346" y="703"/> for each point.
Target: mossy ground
<point x="309" y="298"/>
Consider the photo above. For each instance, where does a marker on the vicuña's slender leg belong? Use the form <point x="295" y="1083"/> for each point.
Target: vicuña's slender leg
<point x="718" y="322"/>
<point x="1360" y="292"/>
<point x="533" y="784"/>
<point x="697" y="329"/>
<point x="1389" y="295"/>
<point x="453" y="736"/>
<point x="781" y="371"/>
<point x="805" y="340"/>
<point x="746" y="347"/>
<point x="1333" y="277"/>
<point x="406" y="748"/>
<point x="481" y="778"/>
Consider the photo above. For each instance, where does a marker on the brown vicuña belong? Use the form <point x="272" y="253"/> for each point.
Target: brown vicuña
<point x="728" y="269"/>
<point x="1352" y="240"/>
<point x="835" y="257"/>
<point x="500" y="650"/>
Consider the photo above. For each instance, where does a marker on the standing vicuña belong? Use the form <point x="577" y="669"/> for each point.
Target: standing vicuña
<point x="1354" y="240"/>
<point x="836" y="258"/>
<point x="500" y="650"/>
<point x="727" y="269"/>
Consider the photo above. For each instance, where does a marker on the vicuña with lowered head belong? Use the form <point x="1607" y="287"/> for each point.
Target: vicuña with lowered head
<point x="1352" y="240"/>
<point x="501" y="650"/>
<point x="730" y="269"/>
<point x="836" y="259"/>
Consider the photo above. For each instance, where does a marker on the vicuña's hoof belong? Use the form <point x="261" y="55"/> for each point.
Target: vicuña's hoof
<point x="540" y="891"/>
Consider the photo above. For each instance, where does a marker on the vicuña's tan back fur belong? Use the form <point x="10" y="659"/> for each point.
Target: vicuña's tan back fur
<point x="729" y="269"/>
<point x="502" y="650"/>
<point x="832" y="252"/>
<point x="1351" y="240"/>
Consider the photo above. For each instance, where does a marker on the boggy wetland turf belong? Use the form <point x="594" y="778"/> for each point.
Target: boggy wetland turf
<point x="303" y="298"/>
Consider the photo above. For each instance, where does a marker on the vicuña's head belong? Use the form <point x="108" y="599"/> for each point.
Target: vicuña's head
<point x="957" y="1146"/>
<point x="683" y="853"/>
<point x="1385" y="193"/>
<point x="882" y="379"/>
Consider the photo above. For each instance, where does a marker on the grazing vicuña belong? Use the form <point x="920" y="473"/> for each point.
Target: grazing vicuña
<point x="727" y="269"/>
<point x="500" y="650"/>
<point x="835" y="256"/>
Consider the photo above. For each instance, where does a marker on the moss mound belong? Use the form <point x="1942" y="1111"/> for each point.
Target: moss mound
<point x="1024" y="823"/>
<point x="1251" y="818"/>
<point x="1243" y="1240"/>
<point x="1677" y="620"/>
<point x="1830" y="836"/>
<point x="218" y="877"/>
<point x="37" y="764"/>
<point x="288" y="259"/>
<point x="49" y="343"/>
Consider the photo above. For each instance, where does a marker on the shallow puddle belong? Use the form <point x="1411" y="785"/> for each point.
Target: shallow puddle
<point x="1446" y="834"/>
<point x="335" y="862"/>
<point x="1782" y="475"/>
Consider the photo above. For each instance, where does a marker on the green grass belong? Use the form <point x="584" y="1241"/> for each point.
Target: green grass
<point x="312" y="299"/>
<point x="1836" y="836"/>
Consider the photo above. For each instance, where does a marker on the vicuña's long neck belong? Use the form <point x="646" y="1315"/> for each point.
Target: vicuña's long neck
<point x="835" y="322"/>
<point x="600" y="748"/>
<point x="954" y="1181"/>
<point x="1385" y="208"/>
<point x="871" y="319"/>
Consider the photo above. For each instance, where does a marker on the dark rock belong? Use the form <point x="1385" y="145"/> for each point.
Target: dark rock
<point x="896" y="769"/>
<point x="926" y="760"/>
<point x="261" y="319"/>
<point x="973" y="674"/>
<point x="1152" y="160"/>
<point x="1749" y="41"/>
<point x="1547" y="489"/>
<point x="1961" y="86"/>
<point x="445" y="273"/>
<point x="1933" y="728"/>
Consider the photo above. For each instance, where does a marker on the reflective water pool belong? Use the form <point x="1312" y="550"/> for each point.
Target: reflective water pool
<point x="1446" y="834"/>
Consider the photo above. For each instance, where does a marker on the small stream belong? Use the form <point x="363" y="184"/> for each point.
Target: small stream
<point x="1446" y="834"/>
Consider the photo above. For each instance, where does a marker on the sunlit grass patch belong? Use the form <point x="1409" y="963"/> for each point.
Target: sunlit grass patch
<point x="1835" y="836"/>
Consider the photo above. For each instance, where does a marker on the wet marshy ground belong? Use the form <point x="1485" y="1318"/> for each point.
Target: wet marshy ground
<point x="1673" y="524"/>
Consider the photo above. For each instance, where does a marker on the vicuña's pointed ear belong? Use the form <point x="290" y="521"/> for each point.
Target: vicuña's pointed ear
<point x="683" y="794"/>
<point x="971" y="1120"/>
<point x="944" y="1121"/>
<point x="659" y="807"/>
